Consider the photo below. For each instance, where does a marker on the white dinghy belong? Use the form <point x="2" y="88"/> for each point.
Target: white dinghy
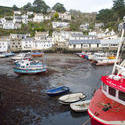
<point x="80" y="106"/>
<point x="71" y="98"/>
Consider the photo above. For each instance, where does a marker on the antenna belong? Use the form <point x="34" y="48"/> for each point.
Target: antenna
<point x="120" y="44"/>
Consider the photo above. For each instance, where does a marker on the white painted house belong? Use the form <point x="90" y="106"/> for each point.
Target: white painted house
<point x="24" y="18"/>
<point x="27" y="44"/>
<point x="30" y="13"/>
<point x="84" y="26"/>
<point x="65" y="16"/>
<point x="43" y="44"/>
<point x="17" y="12"/>
<point x="9" y="25"/>
<point x="41" y="35"/>
<point x="17" y="19"/>
<point x="38" y="18"/>
<point x="60" y="25"/>
<point x="4" y="44"/>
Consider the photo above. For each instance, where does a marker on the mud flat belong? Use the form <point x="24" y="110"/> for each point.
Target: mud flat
<point x="23" y="101"/>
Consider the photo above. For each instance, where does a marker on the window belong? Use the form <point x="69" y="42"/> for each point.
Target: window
<point x="112" y="91"/>
<point x="104" y="87"/>
<point x="121" y="95"/>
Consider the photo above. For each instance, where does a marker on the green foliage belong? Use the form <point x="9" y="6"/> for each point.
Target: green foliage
<point x="112" y="17"/>
<point x="56" y="15"/>
<point x="15" y="8"/>
<point x="28" y="7"/>
<point x="40" y="6"/>
<point x="5" y="11"/>
<point x="59" y="7"/>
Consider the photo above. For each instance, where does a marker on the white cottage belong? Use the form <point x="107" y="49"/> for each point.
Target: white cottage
<point x="65" y="16"/>
<point x="4" y="44"/>
<point x="9" y="25"/>
<point x="60" y="25"/>
<point x="27" y="44"/>
<point x="38" y="18"/>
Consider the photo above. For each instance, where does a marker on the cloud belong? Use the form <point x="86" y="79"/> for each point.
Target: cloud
<point x="82" y="5"/>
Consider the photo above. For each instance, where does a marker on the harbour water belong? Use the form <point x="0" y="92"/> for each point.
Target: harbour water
<point x="24" y="102"/>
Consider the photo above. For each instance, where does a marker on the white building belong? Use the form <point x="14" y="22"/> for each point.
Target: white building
<point x="60" y="25"/>
<point x="47" y="17"/>
<point x="99" y="25"/>
<point x="4" y="44"/>
<point x="81" y="44"/>
<point x="19" y="36"/>
<point x="2" y="20"/>
<point x="29" y="13"/>
<point x="27" y="44"/>
<point x="17" y="19"/>
<point x="41" y="35"/>
<point x="84" y="26"/>
<point x="38" y="18"/>
<point x="9" y="25"/>
<point x="17" y="12"/>
<point x="65" y="16"/>
<point x="24" y="19"/>
<point x="43" y="44"/>
<point x="109" y="43"/>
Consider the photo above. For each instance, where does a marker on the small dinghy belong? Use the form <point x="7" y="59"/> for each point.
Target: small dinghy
<point x="71" y="98"/>
<point x="57" y="91"/>
<point x="80" y="106"/>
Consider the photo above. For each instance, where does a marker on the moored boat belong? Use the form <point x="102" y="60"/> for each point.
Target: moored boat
<point x="71" y="98"/>
<point x="37" y="54"/>
<point x="57" y="91"/>
<point x="29" y="67"/>
<point x="80" y="106"/>
<point x="21" y="56"/>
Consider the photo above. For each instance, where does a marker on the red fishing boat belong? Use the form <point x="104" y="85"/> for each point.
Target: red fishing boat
<point x="107" y="106"/>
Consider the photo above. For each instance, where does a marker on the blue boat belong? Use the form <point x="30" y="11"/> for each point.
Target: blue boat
<point x="57" y="91"/>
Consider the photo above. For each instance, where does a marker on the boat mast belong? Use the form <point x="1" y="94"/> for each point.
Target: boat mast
<point x="120" y="44"/>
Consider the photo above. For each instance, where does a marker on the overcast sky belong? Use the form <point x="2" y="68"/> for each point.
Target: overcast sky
<point x="82" y="5"/>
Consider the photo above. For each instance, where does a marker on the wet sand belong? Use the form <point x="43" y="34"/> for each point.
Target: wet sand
<point x="23" y="98"/>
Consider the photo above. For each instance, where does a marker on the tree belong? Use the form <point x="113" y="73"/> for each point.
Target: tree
<point x="40" y="6"/>
<point x="27" y="7"/>
<point x="105" y="16"/>
<point x="56" y="15"/>
<point x="59" y="7"/>
<point x="15" y="7"/>
<point x="119" y="8"/>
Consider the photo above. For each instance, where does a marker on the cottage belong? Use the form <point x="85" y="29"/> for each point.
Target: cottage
<point x="4" y="44"/>
<point x="60" y="25"/>
<point x="38" y="18"/>
<point x="99" y="25"/>
<point x="65" y="16"/>
<point x="29" y="13"/>
<point x="17" y="19"/>
<point x="47" y="17"/>
<point x="24" y="19"/>
<point x="109" y="43"/>
<point x="41" y="35"/>
<point x="15" y="45"/>
<point x="17" y="12"/>
<point x="80" y="44"/>
<point x="9" y="25"/>
<point x="84" y="26"/>
<point x="27" y="44"/>
<point x="43" y="44"/>
<point x="18" y="36"/>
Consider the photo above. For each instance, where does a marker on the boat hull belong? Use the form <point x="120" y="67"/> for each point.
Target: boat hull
<point x="20" y="71"/>
<point x="57" y="91"/>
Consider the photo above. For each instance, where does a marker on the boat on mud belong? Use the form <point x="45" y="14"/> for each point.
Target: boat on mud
<point x="80" y="106"/>
<point x="57" y="91"/>
<point x="37" y="54"/>
<point x="29" y="67"/>
<point x="71" y="98"/>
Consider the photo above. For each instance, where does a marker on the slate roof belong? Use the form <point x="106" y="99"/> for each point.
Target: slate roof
<point x="92" y="41"/>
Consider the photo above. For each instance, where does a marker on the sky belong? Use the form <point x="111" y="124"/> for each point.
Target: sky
<point x="82" y="5"/>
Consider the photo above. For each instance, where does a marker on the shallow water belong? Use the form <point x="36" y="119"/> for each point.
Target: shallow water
<point x="69" y="70"/>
